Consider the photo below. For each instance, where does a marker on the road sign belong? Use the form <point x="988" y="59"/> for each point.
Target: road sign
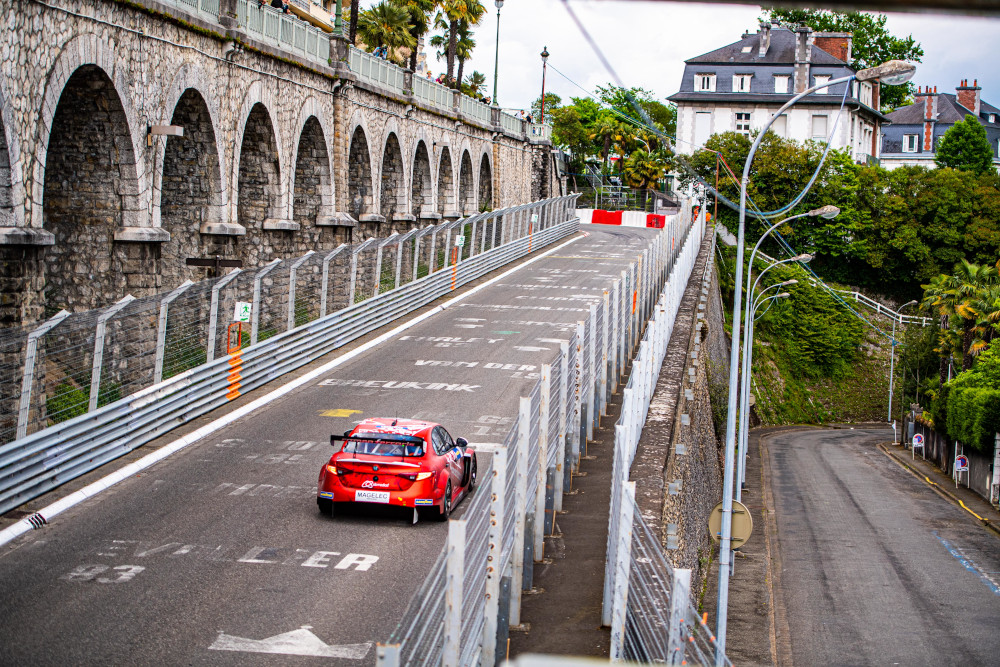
<point x="459" y="241"/>
<point x="918" y="440"/>
<point x="242" y="313"/>
<point x="961" y="463"/>
<point x="742" y="524"/>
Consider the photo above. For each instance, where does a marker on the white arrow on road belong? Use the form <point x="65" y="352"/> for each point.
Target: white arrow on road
<point x="296" y="642"/>
<point x="529" y="348"/>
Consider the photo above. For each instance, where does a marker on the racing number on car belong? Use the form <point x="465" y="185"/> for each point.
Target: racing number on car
<point x="117" y="575"/>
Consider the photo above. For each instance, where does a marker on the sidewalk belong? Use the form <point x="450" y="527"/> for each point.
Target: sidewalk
<point x="972" y="502"/>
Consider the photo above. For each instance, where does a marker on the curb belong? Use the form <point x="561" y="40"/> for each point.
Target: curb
<point x="940" y="490"/>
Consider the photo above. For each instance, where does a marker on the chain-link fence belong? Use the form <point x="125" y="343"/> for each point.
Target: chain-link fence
<point x="75" y="363"/>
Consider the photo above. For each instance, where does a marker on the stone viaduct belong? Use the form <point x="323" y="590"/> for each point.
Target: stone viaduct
<point x="280" y="153"/>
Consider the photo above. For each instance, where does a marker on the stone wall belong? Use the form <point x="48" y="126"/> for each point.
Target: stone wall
<point x="278" y="156"/>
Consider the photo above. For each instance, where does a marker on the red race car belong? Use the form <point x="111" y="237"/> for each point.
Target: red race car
<point x="402" y="462"/>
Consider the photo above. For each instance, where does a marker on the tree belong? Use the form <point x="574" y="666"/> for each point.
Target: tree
<point x="353" y="28"/>
<point x="463" y="47"/>
<point x="603" y="133"/>
<point x="451" y="16"/>
<point x="965" y="147"/>
<point x="643" y="169"/>
<point x="623" y="100"/>
<point x="552" y="102"/>
<point x="386" y="24"/>
<point x="420" y="19"/>
<point x="872" y="43"/>
<point x="569" y="132"/>
<point x="475" y="83"/>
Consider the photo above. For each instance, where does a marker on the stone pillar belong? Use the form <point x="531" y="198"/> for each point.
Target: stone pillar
<point x="22" y="275"/>
<point x="227" y="14"/>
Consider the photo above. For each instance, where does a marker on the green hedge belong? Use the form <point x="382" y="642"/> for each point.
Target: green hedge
<point x="967" y="409"/>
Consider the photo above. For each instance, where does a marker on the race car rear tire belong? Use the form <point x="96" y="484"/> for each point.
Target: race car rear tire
<point x="325" y="506"/>
<point x="445" y="504"/>
<point x="473" y="474"/>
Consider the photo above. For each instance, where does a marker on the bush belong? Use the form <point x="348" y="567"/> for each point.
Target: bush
<point x="967" y="409"/>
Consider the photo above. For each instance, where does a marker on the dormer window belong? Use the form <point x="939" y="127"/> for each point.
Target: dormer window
<point x="822" y="80"/>
<point x="993" y="118"/>
<point x="704" y="83"/>
<point x="781" y="83"/>
<point x="741" y="83"/>
<point x="910" y="143"/>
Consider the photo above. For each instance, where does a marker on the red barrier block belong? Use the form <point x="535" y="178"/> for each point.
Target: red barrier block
<point x="656" y="221"/>
<point x="601" y="217"/>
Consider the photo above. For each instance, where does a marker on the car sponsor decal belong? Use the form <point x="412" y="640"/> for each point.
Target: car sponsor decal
<point x="325" y="494"/>
<point x="423" y="501"/>
<point x="369" y="484"/>
<point x="371" y="496"/>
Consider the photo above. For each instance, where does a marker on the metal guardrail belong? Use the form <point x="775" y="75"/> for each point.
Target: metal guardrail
<point x="450" y="621"/>
<point x="645" y="599"/>
<point x="34" y="464"/>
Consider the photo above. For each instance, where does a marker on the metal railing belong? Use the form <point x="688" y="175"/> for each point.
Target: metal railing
<point x="80" y="390"/>
<point x="639" y="621"/>
<point x="207" y="10"/>
<point x="450" y="622"/>
<point x="540" y="131"/>
<point x="475" y="109"/>
<point x="511" y="123"/>
<point x="434" y="94"/>
<point x="377" y="70"/>
<point x="285" y="31"/>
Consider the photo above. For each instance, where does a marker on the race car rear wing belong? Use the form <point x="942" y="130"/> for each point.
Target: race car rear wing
<point x="387" y="438"/>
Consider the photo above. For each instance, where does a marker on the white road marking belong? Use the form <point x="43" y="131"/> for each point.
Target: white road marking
<point x="468" y="326"/>
<point x="296" y="642"/>
<point x="393" y="384"/>
<point x="530" y="348"/>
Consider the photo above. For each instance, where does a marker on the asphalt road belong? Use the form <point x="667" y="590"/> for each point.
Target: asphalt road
<point x="199" y="558"/>
<point x="875" y="569"/>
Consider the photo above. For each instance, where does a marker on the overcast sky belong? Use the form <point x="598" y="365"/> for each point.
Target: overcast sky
<point x="647" y="43"/>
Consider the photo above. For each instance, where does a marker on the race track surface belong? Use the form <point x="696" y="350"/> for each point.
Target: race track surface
<point x="203" y="557"/>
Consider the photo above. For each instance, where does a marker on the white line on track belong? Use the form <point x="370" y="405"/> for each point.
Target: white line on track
<point x="23" y="526"/>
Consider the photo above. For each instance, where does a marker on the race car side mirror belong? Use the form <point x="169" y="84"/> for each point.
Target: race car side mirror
<point x="461" y="442"/>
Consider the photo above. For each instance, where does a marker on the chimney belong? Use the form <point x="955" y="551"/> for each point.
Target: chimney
<point x="765" y="39"/>
<point x="968" y="96"/>
<point x="837" y="44"/>
<point x="928" y="98"/>
<point x="803" y="56"/>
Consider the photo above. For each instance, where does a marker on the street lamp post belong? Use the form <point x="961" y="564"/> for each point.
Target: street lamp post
<point x="496" y="60"/>
<point x="545" y="61"/>
<point x="894" y="72"/>
<point x="892" y="355"/>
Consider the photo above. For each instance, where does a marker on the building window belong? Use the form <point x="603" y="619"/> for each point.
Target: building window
<point x="743" y="123"/>
<point x="819" y="128"/>
<point x="910" y="143"/>
<point x="865" y="93"/>
<point x="781" y="83"/>
<point x="741" y="83"/>
<point x="780" y="126"/>
<point x="704" y="83"/>
<point x="822" y="80"/>
<point x="993" y="118"/>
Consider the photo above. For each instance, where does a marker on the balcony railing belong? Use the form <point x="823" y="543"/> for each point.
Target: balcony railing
<point x="476" y="109"/>
<point x="207" y="10"/>
<point x="541" y="131"/>
<point x="284" y="31"/>
<point x="377" y="70"/>
<point x="434" y="94"/>
<point x="510" y="123"/>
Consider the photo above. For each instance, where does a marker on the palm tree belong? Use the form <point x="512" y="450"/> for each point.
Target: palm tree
<point x="475" y="83"/>
<point x="386" y="24"/>
<point x="452" y="14"/>
<point x="355" y="10"/>
<point x="420" y="21"/>
<point x="603" y="134"/>
<point x="939" y="298"/>
<point x="643" y="169"/>
<point x="464" y="47"/>
<point x="970" y="281"/>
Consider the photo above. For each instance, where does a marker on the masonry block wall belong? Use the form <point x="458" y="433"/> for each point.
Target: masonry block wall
<point x="276" y="158"/>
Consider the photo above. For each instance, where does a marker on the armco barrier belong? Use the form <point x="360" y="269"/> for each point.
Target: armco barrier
<point x="37" y="463"/>
<point x="453" y="621"/>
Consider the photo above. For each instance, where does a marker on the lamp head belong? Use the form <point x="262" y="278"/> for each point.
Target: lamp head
<point x="891" y="73"/>
<point x="909" y="303"/>
<point x="545" y="54"/>
<point x="499" y="4"/>
<point x="783" y="295"/>
<point x="793" y="281"/>
<point x="804" y="258"/>
<point x="829" y="211"/>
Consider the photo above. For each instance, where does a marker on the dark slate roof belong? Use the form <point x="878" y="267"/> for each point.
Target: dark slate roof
<point x="781" y="51"/>
<point x="949" y="111"/>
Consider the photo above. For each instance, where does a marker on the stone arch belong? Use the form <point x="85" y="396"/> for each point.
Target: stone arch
<point x="312" y="194"/>
<point x="392" y="191"/>
<point x="191" y="190"/>
<point x="258" y="93"/>
<point x="485" y="182"/>
<point x="466" y="185"/>
<point x="446" y="185"/>
<point x="422" y="185"/>
<point x="11" y="178"/>
<point x="258" y="181"/>
<point x="90" y="193"/>
<point x="83" y="51"/>
<point x="360" y="197"/>
<point x="192" y="77"/>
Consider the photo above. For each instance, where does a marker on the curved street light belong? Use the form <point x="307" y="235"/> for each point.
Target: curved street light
<point x="892" y="356"/>
<point x="890" y="73"/>
<point x="545" y="62"/>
